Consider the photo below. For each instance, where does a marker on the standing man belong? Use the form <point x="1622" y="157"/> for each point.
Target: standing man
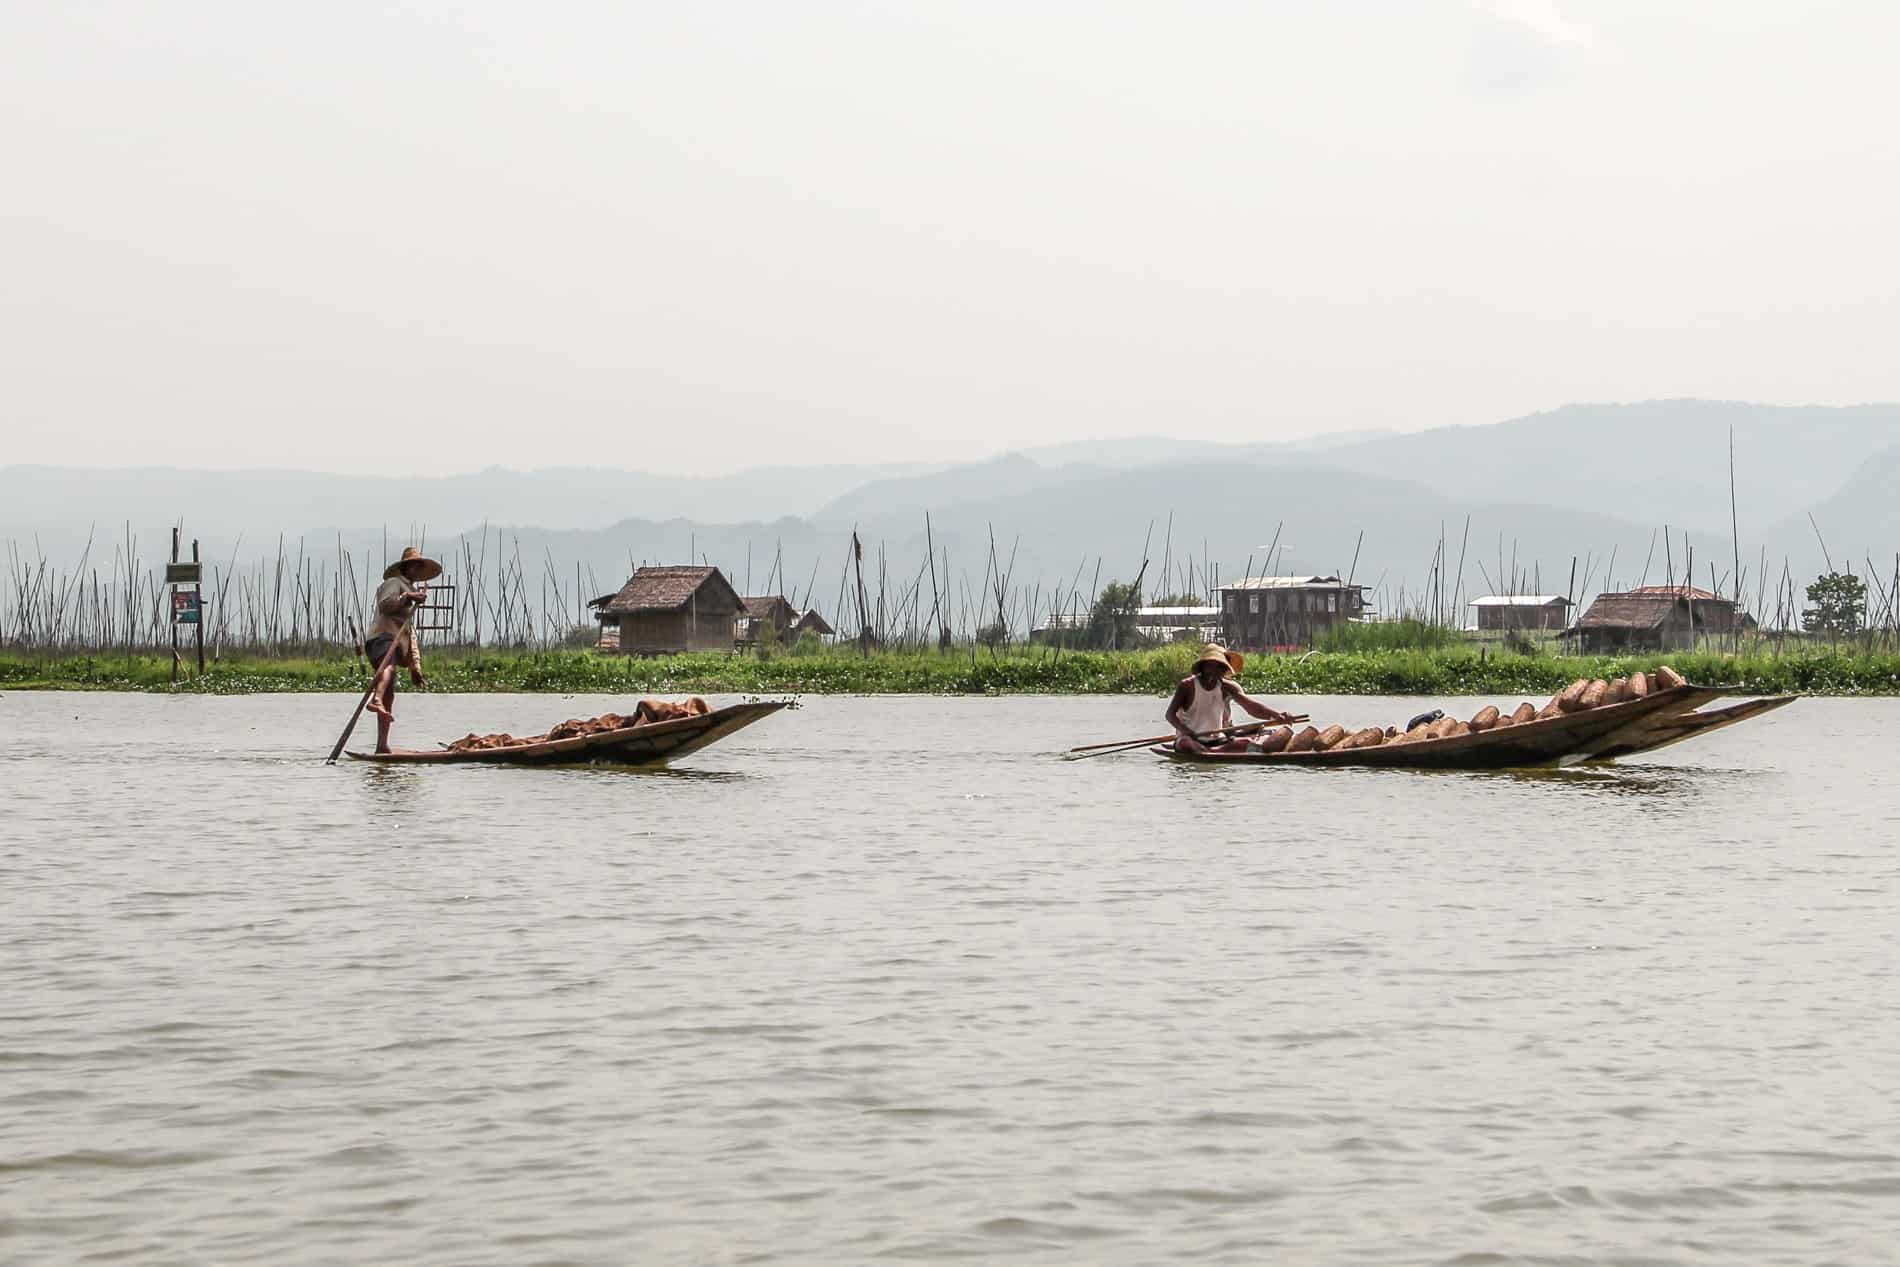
<point x="404" y="589"/>
<point x="1203" y="702"/>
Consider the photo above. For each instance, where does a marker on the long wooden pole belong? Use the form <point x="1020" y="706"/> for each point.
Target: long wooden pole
<point x="389" y="658"/>
<point x="198" y="629"/>
<point x="1122" y="745"/>
<point x="173" y="614"/>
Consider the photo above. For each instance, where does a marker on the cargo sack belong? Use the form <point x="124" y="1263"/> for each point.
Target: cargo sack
<point x="1274" y="740"/>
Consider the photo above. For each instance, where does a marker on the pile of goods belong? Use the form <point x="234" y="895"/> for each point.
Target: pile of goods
<point x="473" y="742"/>
<point x="1579" y="696"/>
<point x="649" y="711"/>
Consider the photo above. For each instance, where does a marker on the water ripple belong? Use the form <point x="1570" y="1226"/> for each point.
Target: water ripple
<point x="887" y="982"/>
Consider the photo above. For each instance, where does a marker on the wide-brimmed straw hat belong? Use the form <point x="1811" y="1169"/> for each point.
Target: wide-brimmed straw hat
<point x="430" y="568"/>
<point x="1213" y="653"/>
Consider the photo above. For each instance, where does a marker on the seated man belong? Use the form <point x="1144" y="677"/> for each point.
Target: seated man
<point x="1202" y="706"/>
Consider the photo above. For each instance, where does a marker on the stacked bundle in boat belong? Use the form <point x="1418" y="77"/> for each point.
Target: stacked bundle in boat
<point x="650" y="710"/>
<point x="1580" y="696"/>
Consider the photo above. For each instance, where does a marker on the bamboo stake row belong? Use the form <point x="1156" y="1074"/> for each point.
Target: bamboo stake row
<point x="302" y="599"/>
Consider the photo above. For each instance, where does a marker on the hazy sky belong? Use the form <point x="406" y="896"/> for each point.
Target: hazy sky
<point x="427" y="237"/>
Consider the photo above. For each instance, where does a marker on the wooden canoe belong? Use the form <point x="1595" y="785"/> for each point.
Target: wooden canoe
<point x="1598" y="734"/>
<point x="652" y="744"/>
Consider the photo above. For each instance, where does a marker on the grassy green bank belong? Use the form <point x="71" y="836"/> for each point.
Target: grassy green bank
<point x="1440" y="671"/>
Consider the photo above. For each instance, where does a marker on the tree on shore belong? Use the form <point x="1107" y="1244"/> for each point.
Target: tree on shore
<point x="1112" y="618"/>
<point x="1840" y="605"/>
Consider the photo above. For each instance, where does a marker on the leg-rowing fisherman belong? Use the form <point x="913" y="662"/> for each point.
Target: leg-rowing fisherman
<point x="404" y="589"/>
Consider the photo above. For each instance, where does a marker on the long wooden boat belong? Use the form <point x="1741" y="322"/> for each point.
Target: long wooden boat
<point x="1598" y="734"/>
<point x="652" y="744"/>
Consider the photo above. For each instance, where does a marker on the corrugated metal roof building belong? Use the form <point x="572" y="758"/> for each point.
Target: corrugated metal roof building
<point x="1522" y="611"/>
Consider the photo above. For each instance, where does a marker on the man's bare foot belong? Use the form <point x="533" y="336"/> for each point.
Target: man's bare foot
<point x="381" y="709"/>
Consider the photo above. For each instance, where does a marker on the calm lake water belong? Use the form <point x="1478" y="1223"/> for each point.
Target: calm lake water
<point x="881" y="979"/>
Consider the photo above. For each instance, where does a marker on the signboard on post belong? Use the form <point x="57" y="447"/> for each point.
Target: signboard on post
<point x="187" y="604"/>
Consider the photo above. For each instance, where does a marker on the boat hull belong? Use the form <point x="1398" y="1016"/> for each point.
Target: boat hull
<point x="1598" y="734"/>
<point x="655" y="743"/>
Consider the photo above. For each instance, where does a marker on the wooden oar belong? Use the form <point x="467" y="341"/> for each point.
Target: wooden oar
<point x="389" y="658"/>
<point x="1122" y="745"/>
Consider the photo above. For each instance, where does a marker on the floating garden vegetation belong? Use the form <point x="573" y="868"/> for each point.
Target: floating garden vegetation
<point x="1437" y="671"/>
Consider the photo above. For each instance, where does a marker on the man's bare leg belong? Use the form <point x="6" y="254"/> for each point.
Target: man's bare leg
<point x="379" y="692"/>
<point x="383" y="705"/>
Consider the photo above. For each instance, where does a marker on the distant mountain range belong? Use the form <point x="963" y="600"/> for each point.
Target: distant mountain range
<point x="1586" y="483"/>
<point x="1859" y="522"/>
<point x="54" y="501"/>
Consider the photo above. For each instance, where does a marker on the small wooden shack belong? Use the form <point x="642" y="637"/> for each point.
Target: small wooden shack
<point x="1504" y="612"/>
<point x="662" y="610"/>
<point x="764" y="614"/>
<point x="1286" y="611"/>
<point x="1656" y="618"/>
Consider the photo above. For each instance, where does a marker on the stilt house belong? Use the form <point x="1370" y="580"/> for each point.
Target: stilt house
<point x="1263" y="612"/>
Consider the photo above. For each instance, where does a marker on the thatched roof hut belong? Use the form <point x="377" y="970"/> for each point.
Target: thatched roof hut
<point x="667" y="609"/>
<point x="763" y="612"/>
<point x="811" y="622"/>
<point x="1654" y="618"/>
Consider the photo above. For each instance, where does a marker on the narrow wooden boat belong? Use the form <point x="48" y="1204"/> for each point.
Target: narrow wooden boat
<point x="1598" y="734"/>
<point x="652" y="744"/>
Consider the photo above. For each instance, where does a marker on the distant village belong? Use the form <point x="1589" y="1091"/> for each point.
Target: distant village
<point x="664" y="610"/>
<point x="303" y="603"/>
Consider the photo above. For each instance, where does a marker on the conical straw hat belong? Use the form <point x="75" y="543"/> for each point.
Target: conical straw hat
<point x="1213" y="653"/>
<point x="430" y="568"/>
